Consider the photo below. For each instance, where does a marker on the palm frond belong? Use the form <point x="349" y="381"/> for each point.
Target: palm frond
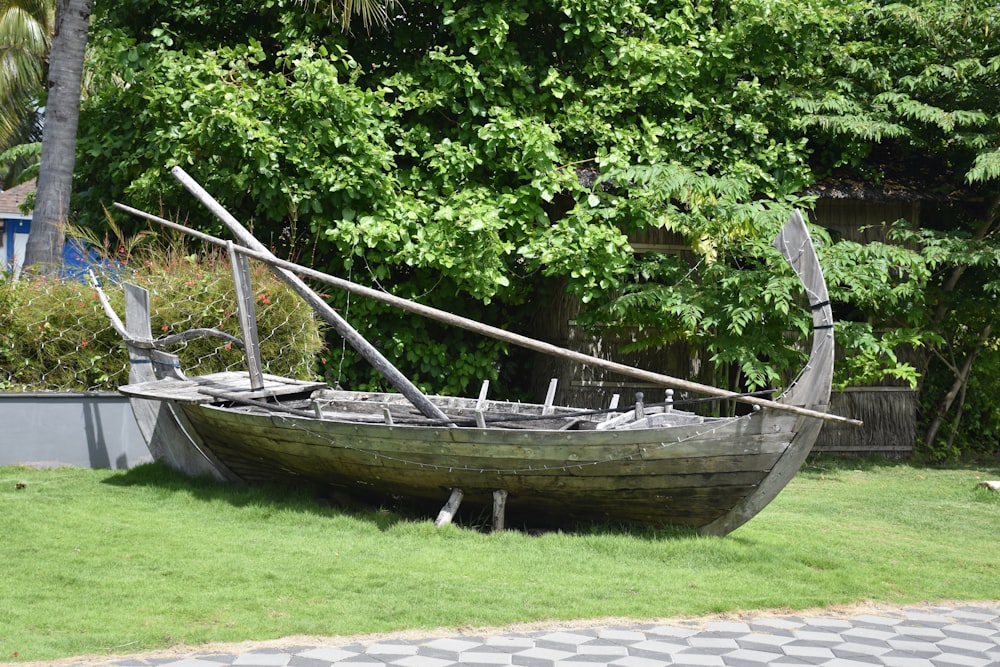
<point x="371" y="12"/>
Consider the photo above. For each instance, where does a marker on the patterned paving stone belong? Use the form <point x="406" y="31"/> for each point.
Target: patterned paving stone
<point x="387" y="649"/>
<point x="263" y="660"/>
<point x="299" y="661"/>
<point x="634" y="661"/>
<point x="915" y="648"/>
<point x="512" y="643"/>
<point x="698" y="659"/>
<point x="966" y="636"/>
<point x="905" y="661"/>
<point x="671" y="631"/>
<point x="748" y="658"/>
<point x="728" y="627"/>
<point x="602" y="650"/>
<point x="756" y="641"/>
<point x="485" y="658"/>
<point x="853" y="650"/>
<point x="808" y="652"/>
<point x="932" y="634"/>
<point x="772" y="624"/>
<point x="868" y="635"/>
<point x="819" y="638"/>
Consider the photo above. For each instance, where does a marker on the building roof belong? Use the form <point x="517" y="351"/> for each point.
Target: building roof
<point x="12" y="198"/>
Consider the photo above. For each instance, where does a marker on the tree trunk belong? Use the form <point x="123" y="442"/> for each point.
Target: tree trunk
<point x="961" y="378"/>
<point x="62" y="115"/>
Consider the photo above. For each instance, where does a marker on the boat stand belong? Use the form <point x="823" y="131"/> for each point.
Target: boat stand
<point x="447" y="512"/>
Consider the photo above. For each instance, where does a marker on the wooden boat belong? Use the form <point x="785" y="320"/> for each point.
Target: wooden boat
<point x="548" y="465"/>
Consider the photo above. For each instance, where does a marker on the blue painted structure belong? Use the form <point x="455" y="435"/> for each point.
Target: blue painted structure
<point x="15" y="236"/>
<point x="15" y="226"/>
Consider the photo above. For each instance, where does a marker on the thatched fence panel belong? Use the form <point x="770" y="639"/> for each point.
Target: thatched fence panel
<point x="890" y="417"/>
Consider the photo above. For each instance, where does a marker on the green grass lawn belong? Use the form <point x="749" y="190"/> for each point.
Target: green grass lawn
<point x="105" y="562"/>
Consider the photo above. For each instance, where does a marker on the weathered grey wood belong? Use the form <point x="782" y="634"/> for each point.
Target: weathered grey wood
<point x="247" y="310"/>
<point x="483" y="391"/>
<point x="112" y="316"/>
<point x="166" y="439"/>
<point x="550" y="396"/>
<point x="499" y="509"/>
<point x="447" y="512"/>
<point x="659" y="466"/>
<point x="191" y="390"/>
<point x="650" y="496"/>
<point x="339" y="324"/>
<point x="501" y="334"/>
<point x="812" y="389"/>
<point x="612" y="406"/>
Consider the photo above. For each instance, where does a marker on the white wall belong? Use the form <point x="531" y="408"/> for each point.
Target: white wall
<point x="88" y="430"/>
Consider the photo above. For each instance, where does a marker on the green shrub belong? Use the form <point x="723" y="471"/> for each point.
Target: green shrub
<point x="55" y="336"/>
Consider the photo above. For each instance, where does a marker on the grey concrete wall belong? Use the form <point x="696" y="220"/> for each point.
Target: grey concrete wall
<point x="89" y="430"/>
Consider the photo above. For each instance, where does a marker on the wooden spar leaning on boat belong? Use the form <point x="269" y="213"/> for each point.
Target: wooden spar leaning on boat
<point x="487" y="330"/>
<point x="650" y="465"/>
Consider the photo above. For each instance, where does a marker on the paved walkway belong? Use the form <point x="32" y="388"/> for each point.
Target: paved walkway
<point x="925" y="636"/>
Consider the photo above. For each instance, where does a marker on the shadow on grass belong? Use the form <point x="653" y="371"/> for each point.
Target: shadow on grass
<point x="384" y="512"/>
<point x="294" y="495"/>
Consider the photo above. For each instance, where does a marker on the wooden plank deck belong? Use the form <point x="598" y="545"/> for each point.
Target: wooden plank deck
<point x="198" y="390"/>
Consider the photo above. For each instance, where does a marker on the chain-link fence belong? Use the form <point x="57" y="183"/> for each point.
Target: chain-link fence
<point x="55" y="336"/>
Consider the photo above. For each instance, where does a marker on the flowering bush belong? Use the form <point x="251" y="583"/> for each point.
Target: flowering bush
<point x="55" y="336"/>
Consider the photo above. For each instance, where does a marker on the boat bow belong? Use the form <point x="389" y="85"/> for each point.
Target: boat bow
<point x="810" y="390"/>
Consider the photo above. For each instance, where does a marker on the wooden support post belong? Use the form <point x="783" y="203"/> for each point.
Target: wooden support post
<point x="550" y="396"/>
<point x="247" y="310"/>
<point x="612" y="406"/>
<point x="447" y="512"/>
<point x="640" y="407"/>
<point x="481" y="403"/>
<point x="499" y="509"/>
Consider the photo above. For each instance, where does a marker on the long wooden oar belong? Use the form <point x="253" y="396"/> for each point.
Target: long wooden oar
<point x="493" y="332"/>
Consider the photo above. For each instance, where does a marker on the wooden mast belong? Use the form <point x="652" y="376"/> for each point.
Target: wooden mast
<point x="340" y="325"/>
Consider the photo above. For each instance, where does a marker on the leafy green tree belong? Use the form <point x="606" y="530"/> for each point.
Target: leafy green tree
<point x="466" y="160"/>
<point x="58" y="151"/>
<point x="481" y="153"/>
<point x="914" y="90"/>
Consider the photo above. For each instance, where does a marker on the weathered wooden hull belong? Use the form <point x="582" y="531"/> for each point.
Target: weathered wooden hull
<point x="671" y="469"/>
<point x="685" y="475"/>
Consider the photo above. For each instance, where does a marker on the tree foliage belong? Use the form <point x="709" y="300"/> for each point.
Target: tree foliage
<point x="476" y="152"/>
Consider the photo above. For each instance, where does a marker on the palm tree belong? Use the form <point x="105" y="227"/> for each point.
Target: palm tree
<point x="25" y="39"/>
<point x="62" y="115"/>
